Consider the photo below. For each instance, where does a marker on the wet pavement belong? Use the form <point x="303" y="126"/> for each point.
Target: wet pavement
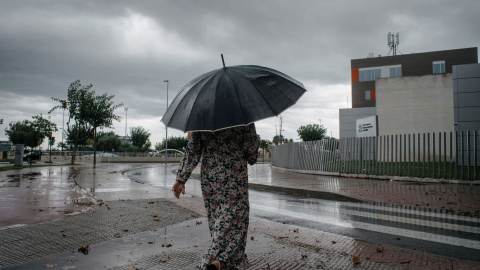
<point x="128" y="218"/>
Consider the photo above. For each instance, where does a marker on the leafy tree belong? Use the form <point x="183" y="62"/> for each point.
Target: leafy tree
<point x="126" y="147"/>
<point x="279" y="139"/>
<point x="140" y="138"/>
<point x="101" y="115"/>
<point x="178" y="143"/>
<point x="62" y="145"/>
<point x="22" y="133"/>
<point x="30" y="133"/>
<point x="86" y="113"/>
<point x="312" y="132"/>
<point x="265" y="145"/>
<point x="108" y="141"/>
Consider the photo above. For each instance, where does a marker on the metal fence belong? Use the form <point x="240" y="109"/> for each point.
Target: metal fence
<point x="447" y="155"/>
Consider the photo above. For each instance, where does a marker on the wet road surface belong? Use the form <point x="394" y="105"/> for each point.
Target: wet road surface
<point x="433" y="230"/>
<point x="34" y="195"/>
<point x="369" y="225"/>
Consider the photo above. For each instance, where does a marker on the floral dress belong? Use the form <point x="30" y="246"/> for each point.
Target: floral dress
<point x="224" y="181"/>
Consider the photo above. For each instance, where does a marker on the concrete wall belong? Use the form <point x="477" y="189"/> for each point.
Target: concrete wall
<point x="348" y="118"/>
<point x="407" y="105"/>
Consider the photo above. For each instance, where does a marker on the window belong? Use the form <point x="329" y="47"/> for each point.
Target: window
<point x="396" y="72"/>
<point x="438" y="67"/>
<point x="369" y="74"/>
<point x="370" y="95"/>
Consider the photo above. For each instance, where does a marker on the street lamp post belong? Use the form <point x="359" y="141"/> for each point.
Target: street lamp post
<point x="166" y="133"/>
<point x="125" y="139"/>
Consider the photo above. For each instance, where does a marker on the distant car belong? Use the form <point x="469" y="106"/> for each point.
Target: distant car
<point x="34" y="155"/>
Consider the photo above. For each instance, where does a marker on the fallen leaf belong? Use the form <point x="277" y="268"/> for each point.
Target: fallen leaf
<point x="84" y="249"/>
<point x="157" y="219"/>
<point x="304" y="256"/>
<point x="117" y="236"/>
<point x="198" y="223"/>
<point x="138" y="244"/>
<point x="50" y="265"/>
<point x="125" y="230"/>
<point x="356" y="260"/>
<point x="380" y="250"/>
<point x="167" y="245"/>
<point x="163" y="260"/>
<point x="252" y="238"/>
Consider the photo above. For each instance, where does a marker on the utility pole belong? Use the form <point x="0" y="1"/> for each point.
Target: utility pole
<point x="166" y="133"/>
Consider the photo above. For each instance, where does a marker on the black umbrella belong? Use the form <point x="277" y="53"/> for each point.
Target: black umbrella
<point x="232" y="96"/>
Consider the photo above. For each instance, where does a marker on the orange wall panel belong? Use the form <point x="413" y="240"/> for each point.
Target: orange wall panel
<point x="354" y="74"/>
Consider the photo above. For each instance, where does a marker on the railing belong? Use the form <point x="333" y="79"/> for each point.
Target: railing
<point x="440" y="155"/>
<point x="171" y="153"/>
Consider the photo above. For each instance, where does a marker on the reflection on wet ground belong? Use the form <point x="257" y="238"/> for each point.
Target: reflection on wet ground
<point x="39" y="194"/>
<point x="378" y="219"/>
<point x="457" y="198"/>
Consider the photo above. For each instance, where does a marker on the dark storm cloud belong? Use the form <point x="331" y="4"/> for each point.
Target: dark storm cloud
<point x="128" y="48"/>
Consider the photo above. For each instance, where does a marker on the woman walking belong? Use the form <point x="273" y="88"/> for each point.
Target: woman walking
<point x="224" y="181"/>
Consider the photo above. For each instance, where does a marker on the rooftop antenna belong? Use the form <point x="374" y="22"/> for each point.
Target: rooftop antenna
<point x="393" y="41"/>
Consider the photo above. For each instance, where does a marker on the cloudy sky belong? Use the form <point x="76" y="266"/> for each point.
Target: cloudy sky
<point x="128" y="48"/>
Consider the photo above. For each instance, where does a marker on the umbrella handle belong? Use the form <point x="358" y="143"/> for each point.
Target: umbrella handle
<point x="223" y="61"/>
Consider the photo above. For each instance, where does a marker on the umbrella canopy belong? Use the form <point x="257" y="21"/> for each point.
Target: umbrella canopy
<point x="232" y="96"/>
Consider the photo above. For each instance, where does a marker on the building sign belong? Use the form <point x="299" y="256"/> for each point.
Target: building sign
<point x="367" y="127"/>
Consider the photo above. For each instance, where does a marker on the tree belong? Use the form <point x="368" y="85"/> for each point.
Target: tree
<point x="62" y="145"/>
<point x="108" y="141"/>
<point x="126" y="147"/>
<point x="178" y="143"/>
<point x="30" y="133"/>
<point x="140" y="138"/>
<point x="86" y="113"/>
<point x="22" y="133"/>
<point x="265" y="145"/>
<point x="279" y="139"/>
<point x="312" y="132"/>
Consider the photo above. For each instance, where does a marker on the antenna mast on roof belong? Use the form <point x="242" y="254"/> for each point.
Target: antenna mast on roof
<point x="393" y="41"/>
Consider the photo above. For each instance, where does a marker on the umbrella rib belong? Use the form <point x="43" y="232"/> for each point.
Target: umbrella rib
<point x="236" y="93"/>
<point x="208" y="79"/>
<point x="199" y="78"/>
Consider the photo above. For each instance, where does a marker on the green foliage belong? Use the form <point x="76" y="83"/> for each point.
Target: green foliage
<point x="312" y="132"/>
<point x="86" y="113"/>
<point x="279" y="139"/>
<point x="30" y="133"/>
<point x="178" y="143"/>
<point x="126" y="147"/>
<point x="140" y="138"/>
<point x="265" y="144"/>
<point x="62" y="145"/>
<point x="108" y="141"/>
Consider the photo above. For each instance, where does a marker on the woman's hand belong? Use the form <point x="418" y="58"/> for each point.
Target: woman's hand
<point x="177" y="188"/>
